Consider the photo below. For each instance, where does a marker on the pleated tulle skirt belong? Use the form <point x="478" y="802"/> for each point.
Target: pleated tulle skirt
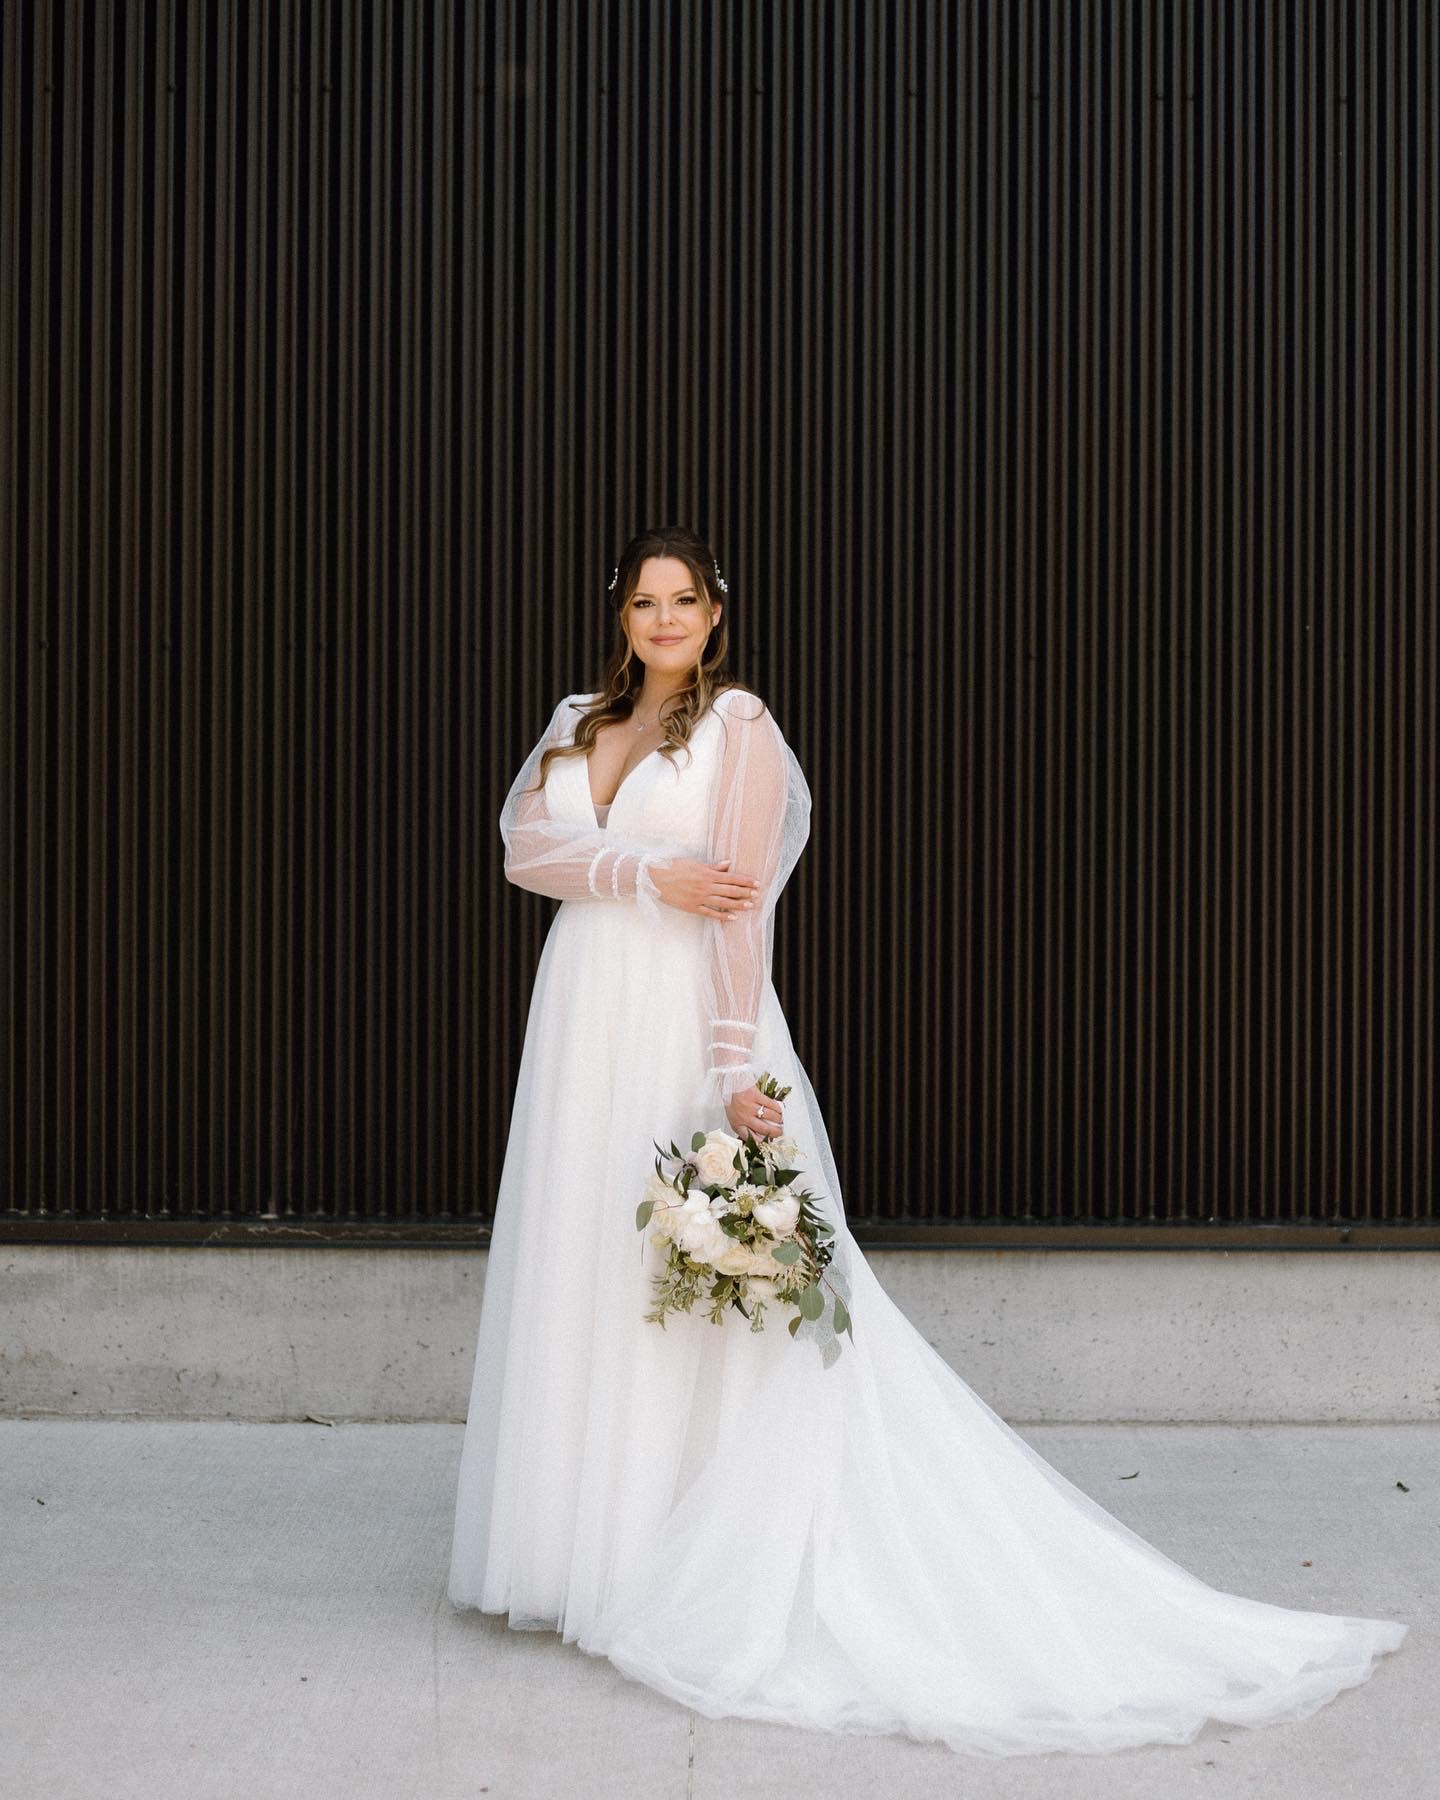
<point x="865" y="1546"/>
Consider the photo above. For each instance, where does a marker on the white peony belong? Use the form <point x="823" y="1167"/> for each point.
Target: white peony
<point x="779" y="1215"/>
<point x="697" y="1230"/>
<point x="715" y="1159"/>
<point x="762" y="1287"/>
<point x="715" y="1247"/>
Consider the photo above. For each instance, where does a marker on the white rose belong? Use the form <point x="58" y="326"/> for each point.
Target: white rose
<point x="667" y="1202"/>
<point x="715" y="1158"/>
<point x="779" y="1215"/>
<point x="734" y="1259"/>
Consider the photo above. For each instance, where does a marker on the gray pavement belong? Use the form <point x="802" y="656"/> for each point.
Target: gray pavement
<point x="230" y="1611"/>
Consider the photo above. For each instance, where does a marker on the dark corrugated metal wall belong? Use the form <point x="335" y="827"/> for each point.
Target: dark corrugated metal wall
<point x="1058" y="384"/>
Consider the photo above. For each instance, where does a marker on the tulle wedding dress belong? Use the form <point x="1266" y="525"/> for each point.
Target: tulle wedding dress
<point x="833" y="1534"/>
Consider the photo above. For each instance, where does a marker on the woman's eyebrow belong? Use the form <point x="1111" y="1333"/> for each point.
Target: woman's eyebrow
<point x="641" y="594"/>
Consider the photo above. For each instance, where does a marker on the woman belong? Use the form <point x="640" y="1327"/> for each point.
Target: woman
<point x="835" y="1533"/>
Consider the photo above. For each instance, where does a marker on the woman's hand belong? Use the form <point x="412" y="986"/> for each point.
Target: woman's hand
<point x="748" y="1110"/>
<point x="705" y="888"/>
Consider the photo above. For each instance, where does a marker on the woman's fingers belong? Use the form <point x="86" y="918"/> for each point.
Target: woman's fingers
<point x="758" y="1114"/>
<point x="726" y="905"/>
<point x="767" y="1118"/>
<point x="729" y="881"/>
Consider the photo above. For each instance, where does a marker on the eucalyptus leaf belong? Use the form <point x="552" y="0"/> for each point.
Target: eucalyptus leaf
<point x="642" y="1214"/>
<point x="788" y="1252"/>
<point x="697" y="1140"/>
<point x="812" y="1301"/>
<point x="794" y="1325"/>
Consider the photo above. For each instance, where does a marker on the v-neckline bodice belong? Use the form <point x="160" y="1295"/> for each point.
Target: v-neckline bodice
<point x="610" y="803"/>
<point x="633" y="770"/>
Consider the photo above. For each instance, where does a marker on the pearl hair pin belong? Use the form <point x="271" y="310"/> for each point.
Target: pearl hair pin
<point x="720" y="580"/>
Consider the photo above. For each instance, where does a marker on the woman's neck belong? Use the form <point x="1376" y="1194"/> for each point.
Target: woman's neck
<point x="654" y="692"/>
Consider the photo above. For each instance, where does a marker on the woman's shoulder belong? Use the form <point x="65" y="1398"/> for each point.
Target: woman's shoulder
<point x="738" y="702"/>
<point x="574" y="707"/>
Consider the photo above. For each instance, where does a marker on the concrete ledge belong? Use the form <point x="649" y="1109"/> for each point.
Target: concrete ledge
<point x="1042" y="1335"/>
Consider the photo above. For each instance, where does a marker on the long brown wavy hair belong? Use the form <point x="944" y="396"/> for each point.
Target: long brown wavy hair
<point x="624" y="673"/>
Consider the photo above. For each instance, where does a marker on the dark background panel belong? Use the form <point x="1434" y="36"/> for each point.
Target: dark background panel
<point x="1057" y="384"/>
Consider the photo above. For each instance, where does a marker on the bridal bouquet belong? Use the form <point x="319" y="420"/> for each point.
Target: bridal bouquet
<point x="738" y="1232"/>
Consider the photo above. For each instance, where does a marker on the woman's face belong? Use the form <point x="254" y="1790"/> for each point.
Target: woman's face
<point x="667" y="617"/>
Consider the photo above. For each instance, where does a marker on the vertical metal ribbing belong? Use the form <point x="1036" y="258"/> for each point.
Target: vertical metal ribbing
<point x="1057" y="385"/>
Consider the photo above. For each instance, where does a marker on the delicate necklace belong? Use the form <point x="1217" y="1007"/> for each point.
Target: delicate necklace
<point x="648" y="723"/>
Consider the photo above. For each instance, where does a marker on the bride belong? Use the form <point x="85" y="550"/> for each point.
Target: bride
<point x="829" y="1531"/>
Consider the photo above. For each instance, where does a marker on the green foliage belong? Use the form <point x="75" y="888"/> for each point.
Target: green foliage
<point x="799" y="1261"/>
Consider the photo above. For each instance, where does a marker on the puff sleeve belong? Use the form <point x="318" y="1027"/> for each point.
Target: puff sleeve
<point x="759" y="817"/>
<point x="570" y="861"/>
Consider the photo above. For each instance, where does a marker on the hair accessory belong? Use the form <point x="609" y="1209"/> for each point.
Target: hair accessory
<point x="720" y="581"/>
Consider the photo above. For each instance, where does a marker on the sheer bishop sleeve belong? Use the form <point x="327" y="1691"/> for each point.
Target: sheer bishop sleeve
<point x="570" y="861"/>
<point x="760" y="819"/>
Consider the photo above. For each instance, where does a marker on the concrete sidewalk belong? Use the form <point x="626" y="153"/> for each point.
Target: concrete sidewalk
<point x="217" y="1611"/>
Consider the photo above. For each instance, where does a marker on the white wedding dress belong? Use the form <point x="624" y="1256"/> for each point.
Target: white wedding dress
<point x="837" y="1534"/>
